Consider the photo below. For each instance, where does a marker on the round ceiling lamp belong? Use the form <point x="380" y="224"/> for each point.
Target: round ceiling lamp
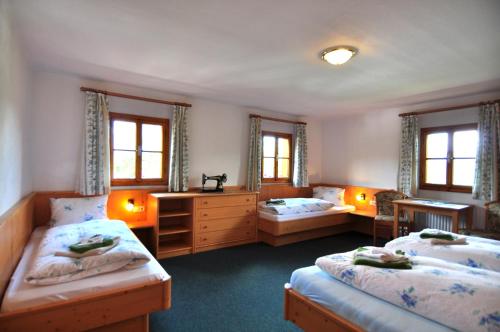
<point x="338" y="55"/>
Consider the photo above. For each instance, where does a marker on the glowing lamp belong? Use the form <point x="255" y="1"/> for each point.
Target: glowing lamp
<point x="130" y="205"/>
<point x="361" y="197"/>
<point x="338" y="55"/>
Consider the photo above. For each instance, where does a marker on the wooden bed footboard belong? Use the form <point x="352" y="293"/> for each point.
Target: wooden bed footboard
<point x="125" y="309"/>
<point x="312" y="317"/>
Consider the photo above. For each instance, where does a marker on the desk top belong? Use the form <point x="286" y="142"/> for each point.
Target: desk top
<point x="432" y="204"/>
<point x="190" y="194"/>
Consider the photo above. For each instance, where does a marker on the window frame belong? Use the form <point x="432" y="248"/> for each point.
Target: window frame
<point x="139" y="121"/>
<point x="449" y="186"/>
<point x="290" y="158"/>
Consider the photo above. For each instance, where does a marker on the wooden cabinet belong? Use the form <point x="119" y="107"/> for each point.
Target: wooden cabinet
<point x="192" y="222"/>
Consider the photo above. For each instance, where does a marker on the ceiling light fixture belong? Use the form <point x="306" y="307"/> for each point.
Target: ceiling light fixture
<point x="338" y="55"/>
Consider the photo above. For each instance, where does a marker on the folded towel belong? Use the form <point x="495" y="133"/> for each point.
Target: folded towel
<point x="437" y="235"/>
<point x="389" y="265"/>
<point x="90" y="252"/>
<point x="380" y="257"/>
<point x="457" y="240"/>
<point x="275" y="202"/>
<point x="93" y="242"/>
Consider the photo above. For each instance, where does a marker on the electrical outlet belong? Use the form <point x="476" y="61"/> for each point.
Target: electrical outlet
<point x="140" y="208"/>
<point x="373" y="202"/>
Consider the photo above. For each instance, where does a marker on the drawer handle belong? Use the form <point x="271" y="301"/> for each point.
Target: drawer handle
<point x="205" y="214"/>
<point x="248" y="199"/>
<point x="204" y="239"/>
<point x="248" y="221"/>
<point x="248" y="211"/>
<point x="205" y="202"/>
<point x="204" y="227"/>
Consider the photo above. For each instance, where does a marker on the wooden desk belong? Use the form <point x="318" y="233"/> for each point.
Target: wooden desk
<point x="428" y="206"/>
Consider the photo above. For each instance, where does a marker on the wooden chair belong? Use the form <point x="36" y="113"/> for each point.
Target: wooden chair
<point x="384" y="220"/>
<point x="492" y="222"/>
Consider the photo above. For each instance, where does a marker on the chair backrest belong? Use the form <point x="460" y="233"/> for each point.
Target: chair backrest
<point x="384" y="201"/>
<point x="493" y="217"/>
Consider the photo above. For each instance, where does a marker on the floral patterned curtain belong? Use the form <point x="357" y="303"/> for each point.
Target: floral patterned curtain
<point x="408" y="156"/>
<point x="488" y="154"/>
<point x="95" y="171"/>
<point x="179" y="166"/>
<point x="254" y="155"/>
<point x="300" y="178"/>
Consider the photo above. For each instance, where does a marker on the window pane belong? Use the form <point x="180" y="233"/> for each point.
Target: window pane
<point x="151" y="165"/>
<point x="463" y="172"/>
<point x="283" y="168"/>
<point x="436" y="171"/>
<point x="283" y="148"/>
<point x="269" y="146"/>
<point x="437" y="145"/>
<point x="124" y="164"/>
<point x="465" y="144"/>
<point x="268" y="171"/>
<point x="124" y="135"/>
<point x="152" y="137"/>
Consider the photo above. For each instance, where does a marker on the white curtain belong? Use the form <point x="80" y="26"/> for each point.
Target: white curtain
<point x="300" y="178"/>
<point x="408" y="156"/>
<point x="179" y="164"/>
<point x="254" y="155"/>
<point x="488" y="154"/>
<point x="94" y="176"/>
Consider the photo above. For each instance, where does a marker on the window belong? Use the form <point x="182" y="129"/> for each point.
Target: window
<point x="447" y="158"/>
<point x="138" y="150"/>
<point x="276" y="158"/>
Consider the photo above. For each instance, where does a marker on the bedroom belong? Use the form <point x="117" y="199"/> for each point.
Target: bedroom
<point x="227" y="61"/>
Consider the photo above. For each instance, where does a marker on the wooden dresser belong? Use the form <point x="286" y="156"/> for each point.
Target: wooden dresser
<point x="193" y="222"/>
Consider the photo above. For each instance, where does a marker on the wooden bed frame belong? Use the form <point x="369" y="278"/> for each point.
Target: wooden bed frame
<point x="311" y="316"/>
<point x="123" y="310"/>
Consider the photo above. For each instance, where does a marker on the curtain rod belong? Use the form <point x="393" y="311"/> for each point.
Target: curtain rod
<point x="121" y="95"/>
<point x="445" y="109"/>
<point x="275" y="119"/>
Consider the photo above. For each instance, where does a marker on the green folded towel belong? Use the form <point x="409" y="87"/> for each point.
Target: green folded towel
<point x="275" y="202"/>
<point x="406" y="265"/>
<point x="441" y="236"/>
<point x="81" y="248"/>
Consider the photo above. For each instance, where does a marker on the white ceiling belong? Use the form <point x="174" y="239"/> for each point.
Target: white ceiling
<point x="265" y="53"/>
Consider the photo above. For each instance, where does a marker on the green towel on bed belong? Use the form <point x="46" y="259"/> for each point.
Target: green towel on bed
<point x="275" y="202"/>
<point x="94" y="242"/>
<point x="405" y="265"/>
<point x="437" y="235"/>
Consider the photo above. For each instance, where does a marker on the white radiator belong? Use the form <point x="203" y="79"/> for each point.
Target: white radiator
<point x="431" y="220"/>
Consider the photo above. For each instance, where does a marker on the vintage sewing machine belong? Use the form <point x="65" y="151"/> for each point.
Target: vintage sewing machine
<point x="218" y="188"/>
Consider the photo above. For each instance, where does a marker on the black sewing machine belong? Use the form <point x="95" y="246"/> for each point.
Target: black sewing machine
<point x="218" y="188"/>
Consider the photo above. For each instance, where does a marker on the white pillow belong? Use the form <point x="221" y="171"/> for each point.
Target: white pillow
<point x="331" y="194"/>
<point x="76" y="210"/>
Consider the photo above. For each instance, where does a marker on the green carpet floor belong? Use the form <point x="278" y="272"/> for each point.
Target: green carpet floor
<point x="240" y="288"/>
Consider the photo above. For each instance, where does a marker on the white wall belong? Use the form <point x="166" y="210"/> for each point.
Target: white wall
<point x="363" y="149"/>
<point x="15" y="177"/>
<point x="218" y="139"/>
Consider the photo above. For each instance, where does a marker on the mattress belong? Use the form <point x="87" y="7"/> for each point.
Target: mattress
<point x="298" y="216"/>
<point x="364" y="310"/>
<point x="21" y="295"/>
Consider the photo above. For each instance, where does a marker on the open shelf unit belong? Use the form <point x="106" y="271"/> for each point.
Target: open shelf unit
<point x="174" y="225"/>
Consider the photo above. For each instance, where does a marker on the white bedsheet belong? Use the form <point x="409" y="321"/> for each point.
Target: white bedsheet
<point x="20" y="294"/>
<point x="280" y="218"/>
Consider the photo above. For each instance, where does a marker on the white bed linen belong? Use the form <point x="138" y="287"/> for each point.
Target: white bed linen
<point x="365" y="310"/>
<point x="280" y="218"/>
<point x="20" y="294"/>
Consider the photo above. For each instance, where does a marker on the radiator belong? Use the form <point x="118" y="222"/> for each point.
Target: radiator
<point x="431" y="220"/>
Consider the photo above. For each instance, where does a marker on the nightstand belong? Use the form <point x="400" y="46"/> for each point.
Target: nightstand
<point x="144" y="230"/>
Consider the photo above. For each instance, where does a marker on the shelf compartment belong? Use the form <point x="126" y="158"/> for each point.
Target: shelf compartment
<point x="173" y="248"/>
<point x="174" y="213"/>
<point x="174" y="229"/>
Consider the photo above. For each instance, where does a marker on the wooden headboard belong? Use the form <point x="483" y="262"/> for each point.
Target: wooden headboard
<point x="15" y="229"/>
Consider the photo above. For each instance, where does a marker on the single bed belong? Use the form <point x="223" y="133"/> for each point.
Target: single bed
<point x="278" y="229"/>
<point x="116" y="301"/>
<point x="314" y="301"/>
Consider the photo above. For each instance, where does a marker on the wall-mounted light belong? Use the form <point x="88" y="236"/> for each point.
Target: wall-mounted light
<point x="130" y="205"/>
<point x="361" y="197"/>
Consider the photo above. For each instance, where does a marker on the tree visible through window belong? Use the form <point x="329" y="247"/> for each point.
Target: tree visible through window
<point x="276" y="157"/>
<point x="138" y="149"/>
<point x="448" y="156"/>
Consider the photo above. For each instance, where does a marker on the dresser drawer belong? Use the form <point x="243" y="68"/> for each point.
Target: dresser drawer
<point x="228" y="223"/>
<point x="226" y="212"/>
<point x="223" y="236"/>
<point x="220" y="201"/>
